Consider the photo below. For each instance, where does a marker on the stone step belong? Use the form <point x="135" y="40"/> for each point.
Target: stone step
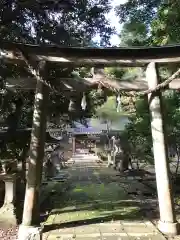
<point x="84" y="155"/>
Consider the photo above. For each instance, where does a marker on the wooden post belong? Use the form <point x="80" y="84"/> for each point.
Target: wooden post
<point x="73" y="145"/>
<point x="167" y="224"/>
<point x="109" y="157"/>
<point x="95" y="149"/>
<point x="31" y="215"/>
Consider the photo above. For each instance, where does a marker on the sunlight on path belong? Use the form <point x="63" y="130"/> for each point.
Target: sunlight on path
<point x="97" y="207"/>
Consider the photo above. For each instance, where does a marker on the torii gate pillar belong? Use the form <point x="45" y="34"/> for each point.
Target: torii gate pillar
<point x="167" y="223"/>
<point x="30" y="227"/>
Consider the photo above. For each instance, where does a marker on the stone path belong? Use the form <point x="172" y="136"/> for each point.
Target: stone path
<point x="97" y="206"/>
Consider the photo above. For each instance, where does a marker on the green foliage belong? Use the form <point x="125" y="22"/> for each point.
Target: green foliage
<point x="172" y="116"/>
<point x="147" y="23"/>
<point x="116" y="72"/>
<point x="96" y="99"/>
<point x="74" y="23"/>
<point x="108" y="111"/>
<point x="134" y="33"/>
<point x="125" y="73"/>
<point x="138" y="131"/>
<point x="142" y="11"/>
<point x="69" y="23"/>
<point x="165" y="29"/>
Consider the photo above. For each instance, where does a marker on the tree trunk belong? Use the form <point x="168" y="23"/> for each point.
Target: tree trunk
<point x="123" y="155"/>
<point x="125" y="162"/>
<point x="122" y="162"/>
<point x="178" y="161"/>
<point x="22" y="161"/>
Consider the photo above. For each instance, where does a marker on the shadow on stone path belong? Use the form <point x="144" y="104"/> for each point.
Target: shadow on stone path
<point x="97" y="206"/>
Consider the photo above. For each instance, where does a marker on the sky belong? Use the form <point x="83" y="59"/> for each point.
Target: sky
<point x="115" y="21"/>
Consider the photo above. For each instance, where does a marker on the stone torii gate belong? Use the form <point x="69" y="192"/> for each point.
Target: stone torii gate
<point x="130" y="57"/>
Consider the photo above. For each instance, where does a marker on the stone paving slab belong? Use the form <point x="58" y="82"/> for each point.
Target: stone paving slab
<point x="111" y="228"/>
<point x="136" y="229"/>
<point x="115" y="238"/>
<point x="89" y="229"/>
<point x="96" y="192"/>
<point x="112" y="237"/>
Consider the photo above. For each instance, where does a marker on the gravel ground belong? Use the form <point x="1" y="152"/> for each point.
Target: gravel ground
<point x="8" y="233"/>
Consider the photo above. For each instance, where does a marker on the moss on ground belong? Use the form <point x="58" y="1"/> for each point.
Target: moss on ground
<point x="93" y="201"/>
